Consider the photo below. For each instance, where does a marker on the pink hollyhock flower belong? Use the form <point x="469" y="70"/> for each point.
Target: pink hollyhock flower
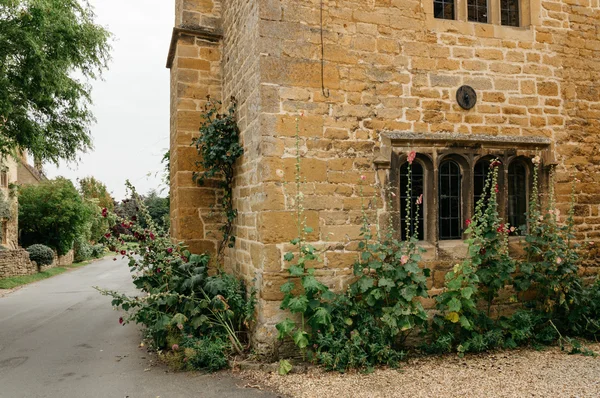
<point x="501" y="228"/>
<point x="411" y="157"/>
<point x="468" y="222"/>
<point x="536" y="160"/>
<point x="496" y="189"/>
<point x="495" y="163"/>
<point x="558" y="260"/>
<point x="363" y="177"/>
<point x="170" y="250"/>
<point x="512" y="229"/>
<point x="180" y="326"/>
<point x="175" y="347"/>
<point x="404" y="259"/>
<point x="420" y="199"/>
<point x="591" y="243"/>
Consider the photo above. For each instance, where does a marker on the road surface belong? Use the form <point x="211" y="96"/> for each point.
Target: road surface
<point x="59" y="338"/>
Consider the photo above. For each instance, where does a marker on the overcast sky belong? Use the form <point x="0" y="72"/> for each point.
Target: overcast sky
<point x="132" y="103"/>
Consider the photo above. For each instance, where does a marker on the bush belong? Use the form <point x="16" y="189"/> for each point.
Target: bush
<point x="98" y="250"/>
<point x="185" y="307"/>
<point x="41" y="254"/>
<point x="83" y="250"/>
<point x="52" y="213"/>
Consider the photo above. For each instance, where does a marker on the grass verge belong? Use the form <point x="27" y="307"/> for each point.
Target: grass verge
<point x="16" y="281"/>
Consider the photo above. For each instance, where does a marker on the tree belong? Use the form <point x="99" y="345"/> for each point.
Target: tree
<point x="93" y="189"/>
<point x="158" y="209"/>
<point x="49" y="50"/>
<point x="54" y="214"/>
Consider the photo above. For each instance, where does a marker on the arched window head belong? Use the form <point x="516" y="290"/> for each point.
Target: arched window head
<point x="517" y="196"/>
<point x="450" y="221"/>
<point x="410" y="211"/>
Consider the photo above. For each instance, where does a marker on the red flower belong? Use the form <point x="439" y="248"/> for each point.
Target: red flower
<point x="108" y="235"/>
<point x="468" y="222"/>
<point x="152" y="236"/>
<point x="496" y="189"/>
<point x="133" y="218"/>
<point x="411" y="157"/>
<point x="501" y="228"/>
<point x="495" y="163"/>
<point x="123" y="252"/>
<point x="184" y="258"/>
<point x="158" y="270"/>
<point x="105" y="212"/>
<point x="170" y="250"/>
<point x="121" y="320"/>
<point x="420" y="200"/>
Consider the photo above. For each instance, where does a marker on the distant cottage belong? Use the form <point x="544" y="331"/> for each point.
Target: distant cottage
<point x="375" y="79"/>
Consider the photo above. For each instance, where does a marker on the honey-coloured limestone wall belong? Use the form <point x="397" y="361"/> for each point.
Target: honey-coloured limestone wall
<point x="387" y="66"/>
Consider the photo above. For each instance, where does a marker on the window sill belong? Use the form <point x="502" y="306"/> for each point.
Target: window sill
<point x="487" y="30"/>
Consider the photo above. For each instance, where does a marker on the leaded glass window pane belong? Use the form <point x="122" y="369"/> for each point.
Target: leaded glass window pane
<point x="478" y="10"/>
<point x="443" y="9"/>
<point x="517" y="196"/>
<point x="417" y="178"/>
<point x="509" y="12"/>
<point x="449" y="190"/>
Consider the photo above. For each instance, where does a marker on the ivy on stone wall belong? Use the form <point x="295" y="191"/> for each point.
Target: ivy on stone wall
<point x="219" y="147"/>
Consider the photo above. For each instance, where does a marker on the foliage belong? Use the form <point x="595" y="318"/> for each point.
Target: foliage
<point x="41" y="254"/>
<point x="93" y="189"/>
<point x="158" y="210"/>
<point x="52" y="213"/>
<point x="219" y="148"/>
<point x="82" y="249"/>
<point x="182" y="299"/>
<point x="45" y="45"/>
<point x="368" y="324"/>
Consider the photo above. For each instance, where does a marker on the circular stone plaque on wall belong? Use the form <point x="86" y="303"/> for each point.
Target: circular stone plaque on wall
<point x="466" y="97"/>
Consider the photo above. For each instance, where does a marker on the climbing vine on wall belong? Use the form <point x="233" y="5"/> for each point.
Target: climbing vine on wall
<point x="219" y="147"/>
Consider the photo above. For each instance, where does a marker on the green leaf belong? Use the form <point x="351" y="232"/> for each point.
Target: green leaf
<point x="365" y="283"/>
<point x="288" y="287"/>
<point x="454" y="305"/>
<point x="386" y="282"/>
<point x="288" y="257"/>
<point x="464" y="322"/>
<point x="467" y="292"/>
<point x="296" y="270"/>
<point x="284" y="367"/>
<point x="285" y="328"/>
<point x="298" y="304"/>
<point x="301" y="339"/>
<point x="311" y="284"/>
<point x="322" y="316"/>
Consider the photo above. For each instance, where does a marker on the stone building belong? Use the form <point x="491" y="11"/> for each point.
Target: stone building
<point x="372" y="80"/>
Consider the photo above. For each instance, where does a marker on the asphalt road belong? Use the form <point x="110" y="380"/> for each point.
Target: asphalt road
<point x="59" y="338"/>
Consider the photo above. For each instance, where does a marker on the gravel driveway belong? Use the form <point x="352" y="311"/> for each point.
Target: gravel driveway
<point x="520" y="373"/>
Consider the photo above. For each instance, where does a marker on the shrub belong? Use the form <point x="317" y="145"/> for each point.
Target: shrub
<point x="82" y="249"/>
<point x="52" y="213"/>
<point x="98" y="250"/>
<point x="184" y="306"/>
<point x="41" y="254"/>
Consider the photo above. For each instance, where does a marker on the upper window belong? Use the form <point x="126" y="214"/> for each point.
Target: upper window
<point x="509" y="12"/>
<point x="482" y="168"/>
<point x="443" y="9"/>
<point x="4" y="179"/>
<point x="477" y="10"/>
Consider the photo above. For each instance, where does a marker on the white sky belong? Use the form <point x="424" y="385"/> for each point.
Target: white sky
<point x="131" y="105"/>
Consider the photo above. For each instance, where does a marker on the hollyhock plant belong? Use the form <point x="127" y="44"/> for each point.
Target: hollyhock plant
<point x="411" y="157"/>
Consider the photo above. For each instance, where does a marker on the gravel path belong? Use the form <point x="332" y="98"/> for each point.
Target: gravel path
<point x="520" y="373"/>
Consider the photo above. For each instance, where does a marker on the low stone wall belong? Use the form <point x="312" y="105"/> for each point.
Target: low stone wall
<point x="15" y="263"/>
<point x="67" y="259"/>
